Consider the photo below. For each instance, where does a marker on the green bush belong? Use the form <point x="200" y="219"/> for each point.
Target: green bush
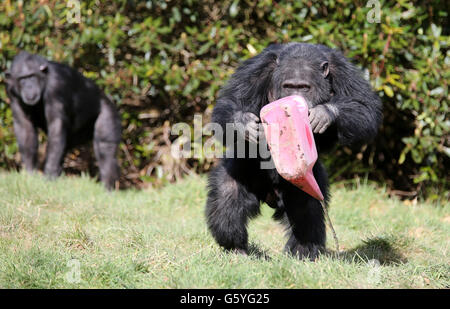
<point x="164" y="61"/>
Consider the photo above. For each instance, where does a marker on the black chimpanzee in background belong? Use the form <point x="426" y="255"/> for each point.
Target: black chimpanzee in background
<point x="70" y="108"/>
<point x="342" y="108"/>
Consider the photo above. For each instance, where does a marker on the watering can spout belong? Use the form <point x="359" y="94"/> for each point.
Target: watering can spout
<point x="309" y="184"/>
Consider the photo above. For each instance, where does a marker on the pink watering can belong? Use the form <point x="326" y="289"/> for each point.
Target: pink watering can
<point x="291" y="142"/>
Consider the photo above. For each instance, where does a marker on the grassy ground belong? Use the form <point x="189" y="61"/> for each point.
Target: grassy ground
<point x="158" y="239"/>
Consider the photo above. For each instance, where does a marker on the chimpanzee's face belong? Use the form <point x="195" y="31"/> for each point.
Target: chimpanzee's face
<point x="301" y="70"/>
<point x="28" y="77"/>
<point x="31" y="88"/>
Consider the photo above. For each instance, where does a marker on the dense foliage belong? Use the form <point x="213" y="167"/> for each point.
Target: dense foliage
<point x="164" y="61"/>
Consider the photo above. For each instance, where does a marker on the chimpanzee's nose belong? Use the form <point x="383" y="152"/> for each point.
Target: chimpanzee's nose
<point x="296" y="84"/>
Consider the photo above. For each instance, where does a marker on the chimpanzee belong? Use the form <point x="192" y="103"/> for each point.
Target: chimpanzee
<point x="70" y="108"/>
<point x="342" y="108"/>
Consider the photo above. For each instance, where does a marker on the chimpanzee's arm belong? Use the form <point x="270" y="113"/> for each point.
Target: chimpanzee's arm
<point x="356" y="119"/>
<point x="26" y="135"/>
<point x="354" y="108"/>
<point x="242" y="98"/>
<point x="242" y="119"/>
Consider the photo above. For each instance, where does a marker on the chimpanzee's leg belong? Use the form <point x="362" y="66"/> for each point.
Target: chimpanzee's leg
<point x="56" y="147"/>
<point x="229" y="206"/>
<point x="305" y="216"/>
<point x="106" y="142"/>
<point x="26" y="135"/>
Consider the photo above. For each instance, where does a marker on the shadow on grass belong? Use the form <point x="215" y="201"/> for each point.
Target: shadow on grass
<point x="386" y="250"/>
<point x="383" y="249"/>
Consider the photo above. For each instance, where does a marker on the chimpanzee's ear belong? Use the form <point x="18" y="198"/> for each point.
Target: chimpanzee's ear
<point x="43" y="68"/>
<point x="325" y="68"/>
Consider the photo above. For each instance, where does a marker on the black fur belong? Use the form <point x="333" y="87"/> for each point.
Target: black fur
<point x="343" y="108"/>
<point x="70" y="108"/>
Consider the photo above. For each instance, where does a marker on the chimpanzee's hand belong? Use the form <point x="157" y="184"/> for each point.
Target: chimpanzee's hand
<point x="249" y="127"/>
<point x="322" y="116"/>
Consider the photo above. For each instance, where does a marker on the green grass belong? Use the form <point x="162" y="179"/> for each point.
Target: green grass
<point x="158" y="239"/>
